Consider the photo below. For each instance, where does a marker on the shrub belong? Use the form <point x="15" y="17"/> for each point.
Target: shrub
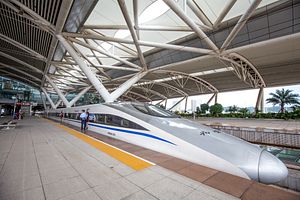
<point x="216" y="109"/>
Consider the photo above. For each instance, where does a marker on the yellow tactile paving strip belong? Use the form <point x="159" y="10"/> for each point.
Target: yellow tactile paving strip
<point x="128" y="159"/>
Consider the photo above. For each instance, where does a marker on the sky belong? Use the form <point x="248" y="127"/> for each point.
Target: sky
<point x="243" y="98"/>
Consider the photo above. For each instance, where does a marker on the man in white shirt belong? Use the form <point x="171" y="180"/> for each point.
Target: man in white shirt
<point x="83" y="119"/>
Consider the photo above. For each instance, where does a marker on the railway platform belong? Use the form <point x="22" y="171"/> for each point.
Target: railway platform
<point x="42" y="159"/>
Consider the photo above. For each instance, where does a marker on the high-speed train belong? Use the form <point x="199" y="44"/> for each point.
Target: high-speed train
<point x="157" y="129"/>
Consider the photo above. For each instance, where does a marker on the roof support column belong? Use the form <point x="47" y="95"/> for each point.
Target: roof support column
<point x="177" y="103"/>
<point x="259" y="101"/>
<point x="216" y="98"/>
<point x="43" y="100"/>
<point x="125" y="86"/>
<point x="57" y="90"/>
<point x="57" y="103"/>
<point x="94" y="80"/>
<point x="48" y="97"/>
<point x="166" y="104"/>
<point x="158" y="103"/>
<point x="211" y="98"/>
<point x="185" y="105"/>
<point x="77" y="97"/>
<point x="85" y="68"/>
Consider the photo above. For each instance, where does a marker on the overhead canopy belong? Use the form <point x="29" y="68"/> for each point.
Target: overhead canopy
<point x="187" y="47"/>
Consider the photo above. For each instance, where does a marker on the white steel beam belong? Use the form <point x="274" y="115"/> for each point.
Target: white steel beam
<point x="57" y="103"/>
<point x="136" y="17"/>
<point x="94" y="80"/>
<point x="57" y="90"/>
<point x="211" y="98"/>
<point x="85" y="68"/>
<point x="178" y="102"/>
<point x="224" y="12"/>
<point x="105" y="53"/>
<point x="173" y="5"/>
<point x="98" y="60"/>
<point x="199" y="13"/>
<point x="242" y="21"/>
<point x="141" y="27"/>
<point x="77" y="97"/>
<point x="48" y="97"/>
<point x="138" y="95"/>
<point x="125" y="86"/>
<point x="132" y="53"/>
<point x="142" y="43"/>
<point x="133" y="33"/>
<point x="117" y="67"/>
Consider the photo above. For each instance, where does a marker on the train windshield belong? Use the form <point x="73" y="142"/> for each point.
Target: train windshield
<point x="154" y="110"/>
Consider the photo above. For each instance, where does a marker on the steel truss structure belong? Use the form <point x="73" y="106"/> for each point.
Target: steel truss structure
<point x="84" y="65"/>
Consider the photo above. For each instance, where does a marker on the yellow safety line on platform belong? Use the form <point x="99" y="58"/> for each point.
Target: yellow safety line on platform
<point x="128" y="159"/>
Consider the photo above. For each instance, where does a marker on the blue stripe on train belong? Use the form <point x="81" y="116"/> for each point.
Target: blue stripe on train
<point x="126" y="131"/>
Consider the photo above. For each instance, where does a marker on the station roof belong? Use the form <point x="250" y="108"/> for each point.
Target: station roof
<point x="188" y="47"/>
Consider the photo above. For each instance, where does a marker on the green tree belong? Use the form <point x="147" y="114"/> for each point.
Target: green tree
<point x="232" y="109"/>
<point x="216" y="109"/>
<point x="244" y="111"/>
<point x="283" y="97"/>
<point x="204" y="108"/>
<point x="198" y="110"/>
<point x="295" y="107"/>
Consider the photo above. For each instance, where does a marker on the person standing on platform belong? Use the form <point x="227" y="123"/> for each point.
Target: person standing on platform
<point x="61" y="115"/>
<point x="83" y="117"/>
<point x="87" y="118"/>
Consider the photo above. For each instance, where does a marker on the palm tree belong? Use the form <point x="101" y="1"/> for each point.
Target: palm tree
<point x="283" y="97"/>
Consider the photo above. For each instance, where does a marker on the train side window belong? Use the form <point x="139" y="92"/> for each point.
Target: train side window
<point x="136" y="126"/>
<point x="125" y="123"/>
<point x="73" y="115"/>
<point x="113" y="120"/>
<point x="100" y="118"/>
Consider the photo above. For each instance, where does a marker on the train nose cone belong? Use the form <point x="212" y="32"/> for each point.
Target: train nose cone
<point x="271" y="169"/>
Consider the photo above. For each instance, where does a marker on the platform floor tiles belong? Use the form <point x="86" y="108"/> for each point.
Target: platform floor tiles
<point x="41" y="161"/>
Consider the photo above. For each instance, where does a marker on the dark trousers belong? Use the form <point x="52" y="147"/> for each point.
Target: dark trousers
<point x="83" y="124"/>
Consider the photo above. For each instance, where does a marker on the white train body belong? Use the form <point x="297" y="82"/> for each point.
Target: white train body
<point x="156" y="129"/>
